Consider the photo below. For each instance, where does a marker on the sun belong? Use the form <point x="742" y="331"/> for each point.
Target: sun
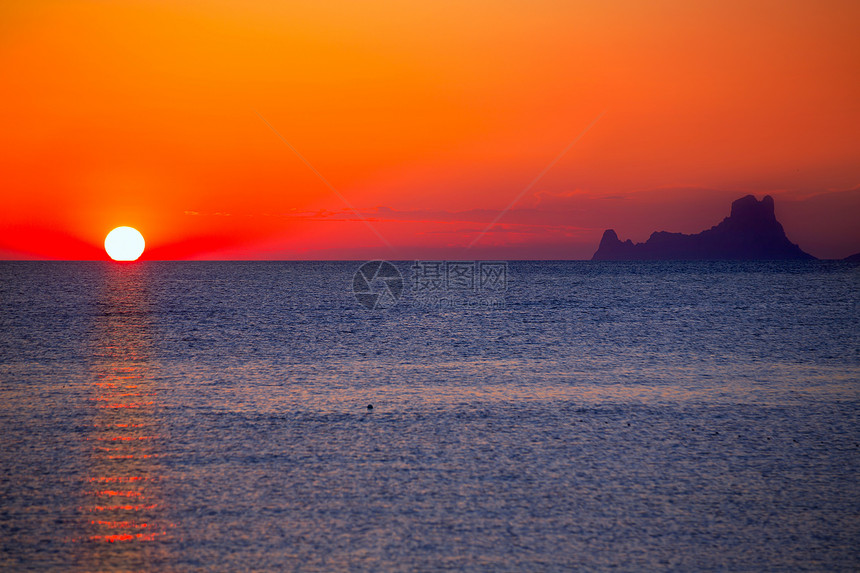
<point x="124" y="244"/>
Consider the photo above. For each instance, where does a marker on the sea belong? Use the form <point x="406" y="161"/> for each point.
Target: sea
<point x="526" y="416"/>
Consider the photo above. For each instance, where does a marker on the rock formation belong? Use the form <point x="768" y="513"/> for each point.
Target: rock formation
<point x="751" y="231"/>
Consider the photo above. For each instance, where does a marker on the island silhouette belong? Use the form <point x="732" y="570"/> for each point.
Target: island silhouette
<point x="750" y="232"/>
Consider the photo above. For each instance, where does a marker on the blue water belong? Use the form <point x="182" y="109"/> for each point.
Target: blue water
<point x="638" y="416"/>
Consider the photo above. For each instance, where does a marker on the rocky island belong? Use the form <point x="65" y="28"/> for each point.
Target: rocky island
<point x="751" y="231"/>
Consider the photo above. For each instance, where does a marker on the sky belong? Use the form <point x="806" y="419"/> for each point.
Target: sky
<point x="402" y="129"/>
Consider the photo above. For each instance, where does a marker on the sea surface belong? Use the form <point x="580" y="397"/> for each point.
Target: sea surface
<point x="198" y="416"/>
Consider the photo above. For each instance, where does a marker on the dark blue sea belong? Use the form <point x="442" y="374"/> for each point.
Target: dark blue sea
<point x="527" y="416"/>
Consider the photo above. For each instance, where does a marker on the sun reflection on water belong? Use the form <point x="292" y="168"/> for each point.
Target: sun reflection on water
<point x="124" y="510"/>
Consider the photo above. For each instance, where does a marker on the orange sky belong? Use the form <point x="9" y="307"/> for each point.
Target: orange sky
<point x="428" y="117"/>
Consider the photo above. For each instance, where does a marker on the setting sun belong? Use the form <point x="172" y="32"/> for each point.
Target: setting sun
<point x="124" y="244"/>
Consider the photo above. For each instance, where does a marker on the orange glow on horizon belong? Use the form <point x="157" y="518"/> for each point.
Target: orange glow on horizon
<point x="428" y="118"/>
